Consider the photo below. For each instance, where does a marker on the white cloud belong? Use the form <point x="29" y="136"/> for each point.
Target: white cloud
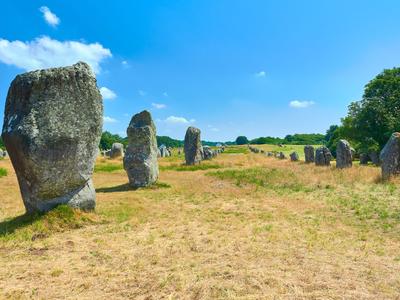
<point x="158" y="105"/>
<point x="109" y="120"/>
<point x="44" y="52"/>
<point x="49" y="17"/>
<point x="178" y="120"/>
<point x="107" y="93"/>
<point x="142" y="93"/>
<point x="125" y="64"/>
<point x="300" y="104"/>
<point x="260" y="74"/>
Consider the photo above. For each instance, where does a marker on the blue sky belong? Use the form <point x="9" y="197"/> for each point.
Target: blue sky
<point x="230" y="68"/>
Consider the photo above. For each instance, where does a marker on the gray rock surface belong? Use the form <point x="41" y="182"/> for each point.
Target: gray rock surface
<point x="281" y="155"/>
<point x="294" y="156"/>
<point x="390" y="157"/>
<point x="117" y="150"/>
<point x="52" y="126"/>
<point x="193" y="146"/>
<point x="344" y="158"/>
<point x="364" y="159"/>
<point x="140" y="161"/>
<point x="374" y="156"/>
<point x="323" y="156"/>
<point x="309" y="154"/>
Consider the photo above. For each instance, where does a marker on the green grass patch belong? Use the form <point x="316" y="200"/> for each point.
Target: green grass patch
<point x="278" y="180"/>
<point x="108" y="168"/>
<point x="3" y="172"/>
<point x="182" y="167"/>
<point x="41" y="225"/>
<point x="236" y="150"/>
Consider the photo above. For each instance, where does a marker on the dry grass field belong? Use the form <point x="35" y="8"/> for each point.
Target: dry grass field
<point x="242" y="226"/>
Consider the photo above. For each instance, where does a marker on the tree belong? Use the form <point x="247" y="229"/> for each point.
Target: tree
<point x="107" y="139"/>
<point x="241" y="140"/>
<point x="1" y="143"/>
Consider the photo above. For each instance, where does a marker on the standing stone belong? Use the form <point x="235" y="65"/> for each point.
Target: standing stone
<point x="353" y="153"/>
<point x="140" y="161"/>
<point x="52" y="126"/>
<point x="163" y="151"/>
<point x="281" y="155"/>
<point x="208" y="153"/>
<point x="364" y="158"/>
<point x="193" y="149"/>
<point x="374" y="156"/>
<point x="294" y="156"/>
<point x="390" y="157"/>
<point x="309" y="153"/>
<point x="323" y="156"/>
<point x="343" y="155"/>
<point x="117" y="150"/>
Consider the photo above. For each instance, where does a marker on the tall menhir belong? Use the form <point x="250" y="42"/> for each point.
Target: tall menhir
<point x="52" y="127"/>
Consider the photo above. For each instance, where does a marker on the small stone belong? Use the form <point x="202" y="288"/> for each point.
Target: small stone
<point x="294" y="156"/>
<point x="117" y="150"/>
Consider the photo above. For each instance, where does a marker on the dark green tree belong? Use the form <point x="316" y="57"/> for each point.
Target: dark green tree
<point x="371" y="121"/>
<point x="242" y="140"/>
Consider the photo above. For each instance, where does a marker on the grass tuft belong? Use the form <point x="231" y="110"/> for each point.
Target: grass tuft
<point x="263" y="177"/>
<point x="182" y="167"/>
<point x="3" y="172"/>
<point x="108" y="168"/>
<point x="41" y="225"/>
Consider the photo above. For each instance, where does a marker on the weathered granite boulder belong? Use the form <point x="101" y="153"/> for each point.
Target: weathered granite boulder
<point x="390" y="157"/>
<point x="117" y="150"/>
<point x="323" y="156"/>
<point x="309" y="153"/>
<point x="140" y="161"/>
<point x="52" y="126"/>
<point x="343" y="155"/>
<point x="207" y="152"/>
<point x="294" y="156"/>
<point x="192" y="146"/>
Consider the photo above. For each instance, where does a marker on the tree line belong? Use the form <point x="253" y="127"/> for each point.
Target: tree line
<point x="107" y="139"/>
<point x="295" y="139"/>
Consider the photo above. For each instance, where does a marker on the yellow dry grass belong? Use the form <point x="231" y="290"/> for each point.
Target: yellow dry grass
<point x="205" y="237"/>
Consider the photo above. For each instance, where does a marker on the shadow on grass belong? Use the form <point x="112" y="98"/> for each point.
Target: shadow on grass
<point x="126" y="187"/>
<point x="9" y="226"/>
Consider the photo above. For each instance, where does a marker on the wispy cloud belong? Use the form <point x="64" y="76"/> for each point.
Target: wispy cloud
<point x="49" y="17"/>
<point x="45" y="52"/>
<point x="165" y="94"/>
<point x="125" y="64"/>
<point x="260" y="74"/>
<point x="109" y="120"/>
<point x="213" y="128"/>
<point x="107" y="93"/>
<point x="142" y="93"/>
<point x="158" y="105"/>
<point x="301" y="104"/>
<point x="178" y="120"/>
